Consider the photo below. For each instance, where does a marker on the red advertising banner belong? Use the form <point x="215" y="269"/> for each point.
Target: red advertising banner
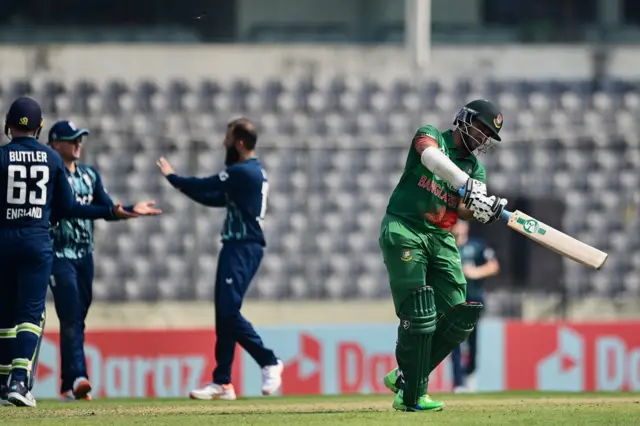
<point x="573" y="356"/>
<point x="351" y="359"/>
<point x="138" y="363"/>
<point x="170" y="363"/>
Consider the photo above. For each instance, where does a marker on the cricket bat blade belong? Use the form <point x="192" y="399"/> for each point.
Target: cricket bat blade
<point x="557" y="241"/>
<point x="553" y="239"/>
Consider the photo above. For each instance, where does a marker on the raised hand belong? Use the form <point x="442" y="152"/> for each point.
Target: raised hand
<point x="165" y="167"/>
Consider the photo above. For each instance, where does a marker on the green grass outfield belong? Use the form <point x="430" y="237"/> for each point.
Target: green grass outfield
<point x="516" y="408"/>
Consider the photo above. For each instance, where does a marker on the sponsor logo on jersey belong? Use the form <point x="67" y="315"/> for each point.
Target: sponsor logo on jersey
<point x="440" y="189"/>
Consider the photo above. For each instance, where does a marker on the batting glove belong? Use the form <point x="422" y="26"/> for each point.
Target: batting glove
<point x="487" y="209"/>
<point x="473" y="189"/>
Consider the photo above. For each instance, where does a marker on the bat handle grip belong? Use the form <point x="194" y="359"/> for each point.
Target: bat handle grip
<point x="506" y="214"/>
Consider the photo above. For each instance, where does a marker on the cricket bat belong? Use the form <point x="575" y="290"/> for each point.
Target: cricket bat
<point x="554" y="239"/>
<point x="539" y="232"/>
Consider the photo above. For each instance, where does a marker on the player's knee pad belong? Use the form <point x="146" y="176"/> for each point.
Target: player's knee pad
<point x="417" y="326"/>
<point x="418" y="312"/>
<point x="453" y="328"/>
<point x="458" y="323"/>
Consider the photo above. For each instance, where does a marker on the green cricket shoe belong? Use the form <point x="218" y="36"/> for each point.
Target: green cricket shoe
<point x="391" y="380"/>
<point x="425" y="403"/>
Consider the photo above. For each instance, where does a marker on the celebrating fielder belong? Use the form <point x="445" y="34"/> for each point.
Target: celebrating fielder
<point x="72" y="272"/>
<point x="242" y="188"/>
<point x="423" y="263"/>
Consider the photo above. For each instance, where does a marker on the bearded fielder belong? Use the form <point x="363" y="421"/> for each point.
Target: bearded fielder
<point x="242" y="188"/>
<point x="420" y="253"/>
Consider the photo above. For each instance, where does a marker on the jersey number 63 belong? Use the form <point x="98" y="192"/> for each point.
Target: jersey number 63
<point x="17" y="184"/>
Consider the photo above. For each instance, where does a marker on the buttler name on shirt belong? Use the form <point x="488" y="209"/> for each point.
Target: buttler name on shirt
<point x="27" y="157"/>
<point x="17" y="194"/>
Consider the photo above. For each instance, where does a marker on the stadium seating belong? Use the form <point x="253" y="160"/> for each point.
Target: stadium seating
<point x="334" y="149"/>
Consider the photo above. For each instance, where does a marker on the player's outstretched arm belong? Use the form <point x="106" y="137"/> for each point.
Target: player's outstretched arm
<point x="81" y="211"/>
<point x="194" y="186"/>
<point x="66" y="207"/>
<point x="209" y="199"/>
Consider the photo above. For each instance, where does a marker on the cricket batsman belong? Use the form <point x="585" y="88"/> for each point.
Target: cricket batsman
<point x="243" y="189"/>
<point x="479" y="262"/>
<point x="34" y="192"/>
<point x="423" y="263"/>
<point x="73" y="267"/>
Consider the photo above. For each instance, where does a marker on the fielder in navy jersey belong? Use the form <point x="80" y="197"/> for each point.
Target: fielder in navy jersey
<point x="34" y="193"/>
<point x="242" y="189"/>
<point x="72" y="273"/>
<point x="478" y="263"/>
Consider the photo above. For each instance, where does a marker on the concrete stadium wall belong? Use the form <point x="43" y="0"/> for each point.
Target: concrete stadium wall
<point x="180" y="315"/>
<point x="194" y="62"/>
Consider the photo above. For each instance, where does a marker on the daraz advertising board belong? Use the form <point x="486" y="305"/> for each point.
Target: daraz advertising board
<point x="349" y="359"/>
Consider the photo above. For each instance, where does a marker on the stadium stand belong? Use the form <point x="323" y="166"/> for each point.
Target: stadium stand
<point x="579" y="140"/>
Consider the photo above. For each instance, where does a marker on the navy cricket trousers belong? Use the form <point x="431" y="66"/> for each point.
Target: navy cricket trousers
<point x="72" y="288"/>
<point x="26" y="256"/>
<point x="237" y="265"/>
<point x="460" y="372"/>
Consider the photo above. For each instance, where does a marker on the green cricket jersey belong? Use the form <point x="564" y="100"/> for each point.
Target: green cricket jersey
<point x="423" y="200"/>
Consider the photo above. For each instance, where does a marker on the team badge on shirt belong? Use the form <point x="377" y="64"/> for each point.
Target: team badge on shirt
<point x="406" y="255"/>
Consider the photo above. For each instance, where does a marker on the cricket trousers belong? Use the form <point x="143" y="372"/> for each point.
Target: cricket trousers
<point x="26" y="257"/>
<point x="72" y="288"/>
<point x="237" y="265"/>
<point x="415" y="259"/>
<point x="459" y="370"/>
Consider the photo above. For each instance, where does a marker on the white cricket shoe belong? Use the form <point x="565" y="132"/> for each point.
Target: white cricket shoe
<point x="272" y="378"/>
<point x="214" y="391"/>
<point x="472" y="383"/>
<point x="20" y="396"/>
<point x="460" y="389"/>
